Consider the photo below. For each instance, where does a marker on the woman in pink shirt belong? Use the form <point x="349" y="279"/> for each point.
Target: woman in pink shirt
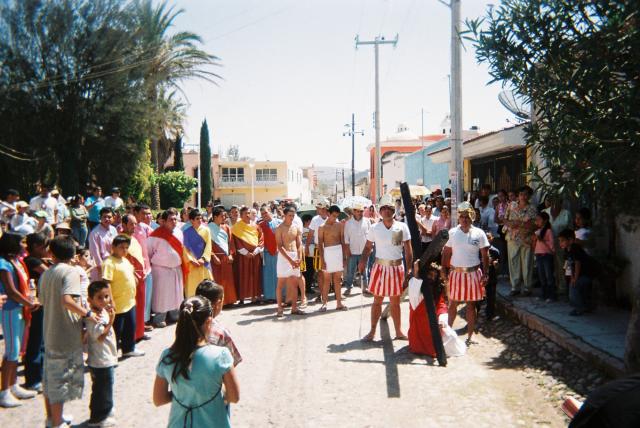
<point x="544" y="250"/>
<point x="443" y="222"/>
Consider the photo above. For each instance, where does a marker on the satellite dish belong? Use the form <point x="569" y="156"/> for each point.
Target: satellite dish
<point x="516" y="104"/>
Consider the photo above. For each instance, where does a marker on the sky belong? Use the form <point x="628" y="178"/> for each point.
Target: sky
<point x="291" y="76"/>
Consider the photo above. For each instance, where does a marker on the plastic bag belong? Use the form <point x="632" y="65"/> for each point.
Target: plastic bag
<point x="453" y="345"/>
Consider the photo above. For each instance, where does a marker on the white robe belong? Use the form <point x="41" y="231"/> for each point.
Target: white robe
<point x="166" y="271"/>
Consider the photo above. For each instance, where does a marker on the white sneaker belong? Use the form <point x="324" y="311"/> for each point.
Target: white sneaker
<point x="8" y="400"/>
<point x="134" y="353"/>
<point x="21" y="393"/>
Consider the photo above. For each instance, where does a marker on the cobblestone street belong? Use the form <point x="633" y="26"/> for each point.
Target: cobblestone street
<point x="313" y="371"/>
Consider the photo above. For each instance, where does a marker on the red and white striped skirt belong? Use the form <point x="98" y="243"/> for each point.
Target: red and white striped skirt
<point x="386" y="280"/>
<point x="466" y="286"/>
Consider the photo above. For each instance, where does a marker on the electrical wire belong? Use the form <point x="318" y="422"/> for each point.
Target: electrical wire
<point x="402" y="27"/>
<point x="254" y="22"/>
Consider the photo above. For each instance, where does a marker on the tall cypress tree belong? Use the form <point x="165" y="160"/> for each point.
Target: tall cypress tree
<point x="178" y="161"/>
<point x="206" y="185"/>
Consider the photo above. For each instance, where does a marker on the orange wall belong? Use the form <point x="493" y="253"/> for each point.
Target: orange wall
<point x="373" y="168"/>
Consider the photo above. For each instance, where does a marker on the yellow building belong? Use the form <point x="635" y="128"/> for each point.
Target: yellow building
<point x="244" y="182"/>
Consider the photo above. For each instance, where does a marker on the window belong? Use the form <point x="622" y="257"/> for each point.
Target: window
<point x="232" y="175"/>
<point x="266" y="174"/>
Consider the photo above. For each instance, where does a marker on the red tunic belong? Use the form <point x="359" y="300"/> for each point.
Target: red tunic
<point x="140" y="295"/>
<point x="223" y="273"/>
<point x="248" y="270"/>
<point x="420" y="341"/>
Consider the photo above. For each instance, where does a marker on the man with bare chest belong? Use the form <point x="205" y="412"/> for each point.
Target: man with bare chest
<point x="330" y="241"/>
<point x="289" y="242"/>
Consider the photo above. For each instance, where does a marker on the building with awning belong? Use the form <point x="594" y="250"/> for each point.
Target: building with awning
<point x="497" y="158"/>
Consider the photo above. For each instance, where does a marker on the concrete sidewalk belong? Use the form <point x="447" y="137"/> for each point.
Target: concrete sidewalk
<point x="598" y="337"/>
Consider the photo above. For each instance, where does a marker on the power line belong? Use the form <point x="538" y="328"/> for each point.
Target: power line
<point x="254" y="22"/>
<point x="379" y="40"/>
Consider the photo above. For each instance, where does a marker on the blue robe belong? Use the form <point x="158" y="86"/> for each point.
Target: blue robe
<point x="269" y="269"/>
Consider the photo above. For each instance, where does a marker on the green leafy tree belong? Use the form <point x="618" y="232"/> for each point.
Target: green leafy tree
<point x="176" y="188"/>
<point x="178" y="160"/>
<point x="577" y="61"/>
<point x="206" y="185"/>
<point x="140" y="184"/>
<point x="170" y="58"/>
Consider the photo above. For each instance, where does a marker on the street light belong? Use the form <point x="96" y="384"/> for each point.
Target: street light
<point x="253" y="196"/>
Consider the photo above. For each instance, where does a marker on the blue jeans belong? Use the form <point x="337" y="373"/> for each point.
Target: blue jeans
<point x="352" y="268"/>
<point x="101" y="403"/>
<point x="79" y="232"/>
<point x="580" y="293"/>
<point x="124" y="326"/>
<point x="544" y="266"/>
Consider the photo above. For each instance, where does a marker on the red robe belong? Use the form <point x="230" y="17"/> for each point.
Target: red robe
<point x="248" y="269"/>
<point x="420" y="341"/>
<point x="223" y="273"/>
<point x="140" y="295"/>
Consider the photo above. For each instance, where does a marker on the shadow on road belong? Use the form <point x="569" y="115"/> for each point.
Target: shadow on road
<point x="310" y="312"/>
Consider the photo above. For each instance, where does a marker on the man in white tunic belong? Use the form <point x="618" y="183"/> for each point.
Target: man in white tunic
<point x="461" y="265"/>
<point x="387" y="275"/>
<point x="166" y="254"/>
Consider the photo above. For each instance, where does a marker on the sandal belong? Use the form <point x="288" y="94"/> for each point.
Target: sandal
<point x="298" y="312"/>
<point x="403" y="337"/>
<point x="323" y="308"/>
<point x="280" y="313"/>
<point x="342" y="308"/>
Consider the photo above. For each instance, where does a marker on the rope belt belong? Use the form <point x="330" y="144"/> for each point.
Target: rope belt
<point x="385" y="262"/>
<point x="190" y="409"/>
<point x="465" y="269"/>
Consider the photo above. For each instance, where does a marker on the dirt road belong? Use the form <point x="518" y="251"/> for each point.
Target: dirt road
<point x="313" y="371"/>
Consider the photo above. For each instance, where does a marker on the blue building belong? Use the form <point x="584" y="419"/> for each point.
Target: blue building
<point x="418" y="165"/>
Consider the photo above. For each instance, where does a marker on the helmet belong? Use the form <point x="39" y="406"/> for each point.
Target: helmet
<point x="386" y="201"/>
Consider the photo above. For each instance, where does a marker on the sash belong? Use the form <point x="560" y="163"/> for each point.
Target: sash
<point x="164" y="233"/>
<point x="194" y="242"/>
<point x="246" y="233"/>
<point x="269" y="237"/>
<point x="23" y="288"/>
<point x="220" y="237"/>
<point x="135" y="257"/>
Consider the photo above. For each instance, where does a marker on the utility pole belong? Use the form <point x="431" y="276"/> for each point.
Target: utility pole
<point x="343" y="193"/>
<point x="379" y="40"/>
<point x="351" y="132"/>
<point x="455" y="98"/>
<point x="422" y="156"/>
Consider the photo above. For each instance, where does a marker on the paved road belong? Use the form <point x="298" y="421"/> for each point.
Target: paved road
<point x="313" y="371"/>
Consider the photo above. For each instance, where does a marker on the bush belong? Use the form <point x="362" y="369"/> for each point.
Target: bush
<point x="175" y="188"/>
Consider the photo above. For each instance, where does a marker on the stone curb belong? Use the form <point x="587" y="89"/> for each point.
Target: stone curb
<point x="611" y="365"/>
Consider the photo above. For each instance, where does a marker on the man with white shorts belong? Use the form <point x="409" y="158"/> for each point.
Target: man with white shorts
<point x="330" y="241"/>
<point x="289" y="242"/>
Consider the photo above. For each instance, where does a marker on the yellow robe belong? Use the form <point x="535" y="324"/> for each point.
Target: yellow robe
<point x="198" y="273"/>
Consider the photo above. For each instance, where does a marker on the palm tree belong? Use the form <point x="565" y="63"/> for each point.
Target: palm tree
<point x="167" y="60"/>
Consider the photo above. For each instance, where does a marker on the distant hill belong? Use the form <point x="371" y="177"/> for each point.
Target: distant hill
<point x="327" y="174"/>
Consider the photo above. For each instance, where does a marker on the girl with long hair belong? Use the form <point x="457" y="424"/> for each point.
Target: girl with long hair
<point x="16" y="313"/>
<point x="543" y="249"/>
<point x="197" y="378"/>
